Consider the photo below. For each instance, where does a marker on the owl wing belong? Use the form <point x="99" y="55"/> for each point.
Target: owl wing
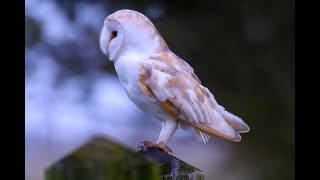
<point x="181" y="94"/>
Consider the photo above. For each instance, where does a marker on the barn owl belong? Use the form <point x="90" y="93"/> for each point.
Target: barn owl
<point x="160" y="83"/>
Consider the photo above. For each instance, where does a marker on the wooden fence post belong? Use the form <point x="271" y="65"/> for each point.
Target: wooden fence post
<point x="103" y="159"/>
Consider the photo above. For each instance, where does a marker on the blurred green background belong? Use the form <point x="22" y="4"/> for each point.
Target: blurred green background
<point x="243" y="51"/>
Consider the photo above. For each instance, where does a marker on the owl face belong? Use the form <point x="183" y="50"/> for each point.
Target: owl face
<point x="129" y="31"/>
<point x="112" y="39"/>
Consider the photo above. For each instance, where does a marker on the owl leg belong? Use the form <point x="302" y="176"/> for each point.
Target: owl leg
<point x="168" y="128"/>
<point x="167" y="131"/>
<point x="163" y="126"/>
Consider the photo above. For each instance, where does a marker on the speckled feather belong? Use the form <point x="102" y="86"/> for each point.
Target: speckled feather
<point x="172" y="82"/>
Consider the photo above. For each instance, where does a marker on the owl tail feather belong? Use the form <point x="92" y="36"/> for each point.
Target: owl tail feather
<point x="202" y="136"/>
<point x="237" y="123"/>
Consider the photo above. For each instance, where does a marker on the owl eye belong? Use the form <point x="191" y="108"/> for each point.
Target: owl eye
<point x="114" y="34"/>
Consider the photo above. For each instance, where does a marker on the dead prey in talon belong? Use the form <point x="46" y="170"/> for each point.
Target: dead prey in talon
<point x="161" y="83"/>
<point x="161" y="146"/>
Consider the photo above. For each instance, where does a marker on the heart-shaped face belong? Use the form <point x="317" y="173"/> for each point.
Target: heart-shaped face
<point x="128" y="30"/>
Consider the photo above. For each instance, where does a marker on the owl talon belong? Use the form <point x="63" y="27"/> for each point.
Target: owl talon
<point x="139" y="144"/>
<point x="140" y="147"/>
<point x="160" y="146"/>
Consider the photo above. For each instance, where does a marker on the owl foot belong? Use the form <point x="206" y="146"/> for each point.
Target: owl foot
<point x="160" y="145"/>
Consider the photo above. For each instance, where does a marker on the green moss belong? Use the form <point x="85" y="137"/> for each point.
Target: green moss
<point x="104" y="159"/>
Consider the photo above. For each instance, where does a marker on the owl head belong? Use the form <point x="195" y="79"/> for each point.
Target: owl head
<point x="129" y="31"/>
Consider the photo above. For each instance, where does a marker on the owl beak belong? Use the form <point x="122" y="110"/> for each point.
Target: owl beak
<point x="108" y="55"/>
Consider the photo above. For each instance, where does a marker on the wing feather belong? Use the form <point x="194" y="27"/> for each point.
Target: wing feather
<point x="181" y="94"/>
